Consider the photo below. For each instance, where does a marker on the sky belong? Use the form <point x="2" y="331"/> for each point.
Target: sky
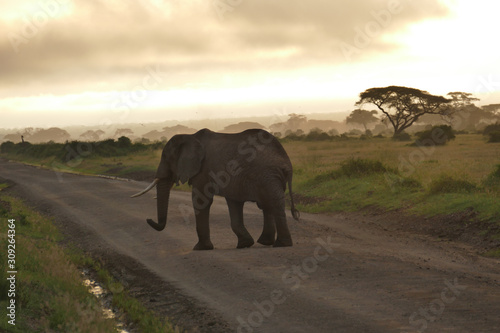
<point x="93" y="62"/>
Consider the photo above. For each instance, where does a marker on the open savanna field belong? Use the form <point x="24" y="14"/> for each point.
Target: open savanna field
<point x="380" y="172"/>
<point x="340" y="174"/>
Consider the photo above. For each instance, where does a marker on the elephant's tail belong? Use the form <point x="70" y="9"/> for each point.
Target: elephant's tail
<point x="295" y="212"/>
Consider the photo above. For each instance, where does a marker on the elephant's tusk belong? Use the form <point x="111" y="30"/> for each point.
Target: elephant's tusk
<point x="147" y="189"/>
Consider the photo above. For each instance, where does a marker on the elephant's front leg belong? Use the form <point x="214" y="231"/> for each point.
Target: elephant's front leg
<point x="202" y="225"/>
<point x="236" y="216"/>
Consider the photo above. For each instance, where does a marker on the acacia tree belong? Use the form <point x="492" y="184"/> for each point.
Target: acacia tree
<point x="493" y="109"/>
<point x="362" y="117"/>
<point x="460" y="102"/>
<point x="403" y="106"/>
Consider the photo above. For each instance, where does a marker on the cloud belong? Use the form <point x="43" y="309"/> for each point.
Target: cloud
<point x="106" y="45"/>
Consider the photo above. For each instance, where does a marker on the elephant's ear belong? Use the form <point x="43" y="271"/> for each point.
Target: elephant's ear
<point x="191" y="156"/>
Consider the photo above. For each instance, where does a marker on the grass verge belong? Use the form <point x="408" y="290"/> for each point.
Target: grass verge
<point x="361" y="183"/>
<point x="48" y="293"/>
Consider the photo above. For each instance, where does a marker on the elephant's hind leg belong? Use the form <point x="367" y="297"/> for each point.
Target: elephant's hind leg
<point x="284" y="238"/>
<point x="269" y="231"/>
<point x="236" y="216"/>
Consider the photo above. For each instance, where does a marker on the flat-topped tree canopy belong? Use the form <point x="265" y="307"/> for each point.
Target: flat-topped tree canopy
<point x="402" y="106"/>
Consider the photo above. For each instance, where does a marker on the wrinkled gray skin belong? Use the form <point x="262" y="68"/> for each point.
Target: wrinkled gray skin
<point x="247" y="166"/>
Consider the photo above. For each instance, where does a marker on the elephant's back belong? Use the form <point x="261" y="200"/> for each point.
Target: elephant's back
<point x="253" y="160"/>
<point x="253" y="148"/>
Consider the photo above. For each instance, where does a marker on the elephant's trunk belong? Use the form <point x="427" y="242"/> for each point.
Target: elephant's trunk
<point x="163" y="194"/>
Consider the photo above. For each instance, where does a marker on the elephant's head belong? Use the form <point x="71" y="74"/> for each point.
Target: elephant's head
<point x="181" y="160"/>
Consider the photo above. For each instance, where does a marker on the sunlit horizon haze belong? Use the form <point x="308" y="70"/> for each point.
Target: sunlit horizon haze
<point x="75" y="62"/>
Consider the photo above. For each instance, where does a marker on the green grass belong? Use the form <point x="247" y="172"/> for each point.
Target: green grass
<point x="448" y="184"/>
<point x="49" y="290"/>
<point x="353" y="174"/>
<point x="50" y="295"/>
<point x="493" y="253"/>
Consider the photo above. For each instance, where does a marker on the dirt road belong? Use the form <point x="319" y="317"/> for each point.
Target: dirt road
<point x="343" y="274"/>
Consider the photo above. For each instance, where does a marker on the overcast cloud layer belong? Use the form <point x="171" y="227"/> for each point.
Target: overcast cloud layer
<point x="96" y="45"/>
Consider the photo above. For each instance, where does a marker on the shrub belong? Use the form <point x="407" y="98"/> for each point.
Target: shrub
<point x="496" y="172"/>
<point x="403" y="136"/>
<point x="494" y="137"/>
<point x="410" y="183"/>
<point x="491" y="128"/>
<point x="124" y="142"/>
<point x="333" y="132"/>
<point x="7" y="147"/>
<point x="294" y="136"/>
<point x="357" y="167"/>
<point x="355" y="132"/>
<point x="317" y="136"/>
<point x="436" y="136"/>
<point x="396" y="182"/>
<point x="448" y="184"/>
<point x="493" y="179"/>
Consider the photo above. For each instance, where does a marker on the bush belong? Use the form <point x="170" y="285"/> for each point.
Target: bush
<point x="491" y="128"/>
<point x="355" y="132"/>
<point x="403" y="136"/>
<point x="494" y="137"/>
<point x="493" y="179"/>
<point x="436" y="136"/>
<point x="317" y="136"/>
<point x="333" y="132"/>
<point x="7" y="147"/>
<point x="496" y="172"/>
<point x="397" y="182"/>
<point x="448" y="184"/>
<point x="294" y="136"/>
<point x="356" y="167"/>
<point x="124" y="142"/>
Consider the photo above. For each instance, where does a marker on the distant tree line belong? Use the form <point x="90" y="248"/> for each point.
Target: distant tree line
<point x="400" y="112"/>
<point x="73" y="149"/>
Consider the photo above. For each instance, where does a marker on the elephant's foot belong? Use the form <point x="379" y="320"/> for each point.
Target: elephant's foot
<point x="246" y="242"/>
<point x="269" y="240"/>
<point x="204" y="246"/>
<point x="283" y="242"/>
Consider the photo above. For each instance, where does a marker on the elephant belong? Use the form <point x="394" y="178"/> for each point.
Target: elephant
<point x="248" y="166"/>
